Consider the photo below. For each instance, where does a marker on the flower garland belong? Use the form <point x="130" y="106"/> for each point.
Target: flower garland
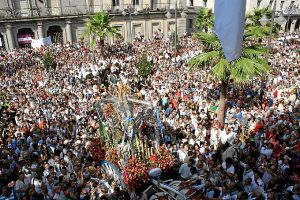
<point x="162" y="159"/>
<point x="135" y="174"/>
<point x="113" y="157"/>
<point x="108" y="110"/>
<point x="96" y="150"/>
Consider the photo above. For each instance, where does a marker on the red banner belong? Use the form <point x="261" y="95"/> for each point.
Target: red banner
<point x="24" y="38"/>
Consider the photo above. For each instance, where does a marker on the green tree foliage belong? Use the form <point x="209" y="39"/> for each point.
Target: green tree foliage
<point x="99" y="28"/>
<point x="204" y="20"/>
<point x="48" y="61"/>
<point x="251" y="64"/>
<point x="144" y="66"/>
<point x="254" y="26"/>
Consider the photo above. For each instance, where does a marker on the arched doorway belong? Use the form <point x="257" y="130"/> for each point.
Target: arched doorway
<point x="297" y="25"/>
<point x="25" y="36"/>
<point x="56" y="34"/>
<point x="288" y="25"/>
<point x="2" y="44"/>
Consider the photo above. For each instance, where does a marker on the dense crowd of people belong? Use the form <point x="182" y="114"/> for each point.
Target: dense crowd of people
<point x="48" y="118"/>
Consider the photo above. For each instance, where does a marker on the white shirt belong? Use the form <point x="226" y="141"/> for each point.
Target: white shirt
<point x="223" y="137"/>
<point x="230" y="169"/>
<point x="182" y="155"/>
<point x="266" y="151"/>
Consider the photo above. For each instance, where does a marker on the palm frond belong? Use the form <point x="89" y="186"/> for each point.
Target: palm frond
<point x="220" y="70"/>
<point x="205" y="19"/>
<point x="244" y="69"/>
<point x="203" y="59"/>
<point x="256" y="32"/>
<point x="254" y="52"/>
<point x="209" y="40"/>
<point x="98" y="27"/>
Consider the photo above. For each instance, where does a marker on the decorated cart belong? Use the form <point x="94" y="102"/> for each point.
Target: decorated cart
<point x="130" y="142"/>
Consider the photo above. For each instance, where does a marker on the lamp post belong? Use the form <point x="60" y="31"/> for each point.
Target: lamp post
<point x="272" y="24"/>
<point x="124" y="13"/>
<point x="169" y="15"/>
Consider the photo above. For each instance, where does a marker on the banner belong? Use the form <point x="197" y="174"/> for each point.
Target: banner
<point x="24" y="38"/>
<point x="229" y="26"/>
<point x="41" y="42"/>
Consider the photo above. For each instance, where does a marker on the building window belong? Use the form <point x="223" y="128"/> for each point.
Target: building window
<point x="191" y="2"/>
<point x="191" y="23"/>
<point x="258" y="3"/>
<point x="116" y="3"/>
<point x="281" y="5"/>
<point x="135" y="2"/>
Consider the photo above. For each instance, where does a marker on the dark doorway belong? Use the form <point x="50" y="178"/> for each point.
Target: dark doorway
<point x="25" y="36"/>
<point x="2" y="44"/>
<point x="297" y="25"/>
<point x="288" y="25"/>
<point x="56" y="34"/>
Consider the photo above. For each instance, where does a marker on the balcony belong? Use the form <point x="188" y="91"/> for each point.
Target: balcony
<point x="26" y="13"/>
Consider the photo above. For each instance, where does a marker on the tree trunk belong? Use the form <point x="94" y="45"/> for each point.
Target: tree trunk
<point x="222" y="104"/>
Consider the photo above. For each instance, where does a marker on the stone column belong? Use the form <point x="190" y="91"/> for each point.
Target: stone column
<point x="59" y="7"/>
<point x="165" y="28"/>
<point x="141" y="5"/>
<point x="69" y="31"/>
<point x="127" y="30"/>
<point x="29" y="7"/>
<point x="88" y="5"/>
<point x="40" y="30"/>
<point x="293" y="24"/>
<point x="10" y="37"/>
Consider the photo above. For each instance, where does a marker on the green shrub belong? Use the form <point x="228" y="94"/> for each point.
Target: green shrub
<point x="144" y="66"/>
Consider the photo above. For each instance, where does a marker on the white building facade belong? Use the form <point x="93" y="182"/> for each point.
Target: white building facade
<point x="64" y="20"/>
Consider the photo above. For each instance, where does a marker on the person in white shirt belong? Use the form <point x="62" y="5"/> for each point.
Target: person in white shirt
<point x="58" y="193"/>
<point x="228" y="166"/>
<point x="182" y="153"/>
<point x="20" y="186"/>
<point x="267" y="150"/>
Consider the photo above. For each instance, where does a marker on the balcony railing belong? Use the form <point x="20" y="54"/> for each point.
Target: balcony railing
<point x="7" y="13"/>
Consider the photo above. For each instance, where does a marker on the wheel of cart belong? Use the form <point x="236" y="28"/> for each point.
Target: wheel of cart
<point x="112" y="173"/>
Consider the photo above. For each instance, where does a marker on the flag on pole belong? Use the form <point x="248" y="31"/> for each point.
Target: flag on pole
<point x="229" y="26"/>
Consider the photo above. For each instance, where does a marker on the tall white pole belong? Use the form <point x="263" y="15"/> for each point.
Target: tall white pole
<point x="272" y="24"/>
<point x="176" y="31"/>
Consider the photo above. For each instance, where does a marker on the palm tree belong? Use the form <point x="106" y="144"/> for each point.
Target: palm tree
<point x="205" y="19"/>
<point x="257" y="14"/>
<point x="98" y="28"/>
<point x="254" y="26"/>
<point x="251" y="64"/>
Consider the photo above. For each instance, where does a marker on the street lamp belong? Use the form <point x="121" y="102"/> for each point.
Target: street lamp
<point x="169" y="15"/>
<point x="124" y="13"/>
<point x="264" y="20"/>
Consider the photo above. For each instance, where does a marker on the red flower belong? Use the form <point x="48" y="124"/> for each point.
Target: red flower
<point x="96" y="150"/>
